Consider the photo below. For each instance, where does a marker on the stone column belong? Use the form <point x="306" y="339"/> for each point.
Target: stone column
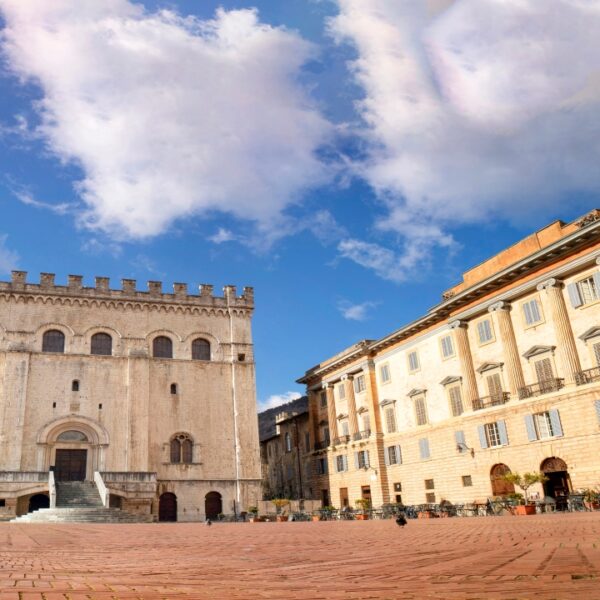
<point x="313" y="415"/>
<point x="138" y="399"/>
<point x="565" y="341"/>
<point x="352" y="418"/>
<point x="331" y="416"/>
<point x="514" y="370"/>
<point x="466" y="360"/>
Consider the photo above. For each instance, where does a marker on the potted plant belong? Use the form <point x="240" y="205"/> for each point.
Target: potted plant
<point x="253" y="514"/>
<point x="363" y="504"/>
<point x="524" y="482"/>
<point x="279" y="503"/>
<point x="591" y="499"/>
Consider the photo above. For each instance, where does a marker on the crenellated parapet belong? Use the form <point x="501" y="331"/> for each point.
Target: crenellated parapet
<point x="129" y="292"/>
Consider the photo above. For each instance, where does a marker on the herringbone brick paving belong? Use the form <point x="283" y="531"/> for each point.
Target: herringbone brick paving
<point x="542" y="557"/>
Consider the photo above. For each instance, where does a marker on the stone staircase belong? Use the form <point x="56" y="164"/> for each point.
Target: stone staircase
<point x="80" y="502"/>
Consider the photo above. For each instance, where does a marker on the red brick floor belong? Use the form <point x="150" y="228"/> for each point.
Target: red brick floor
<point x="538" y="557"/>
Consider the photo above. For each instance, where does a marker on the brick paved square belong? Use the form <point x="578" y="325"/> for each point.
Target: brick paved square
<point x="543" y="557"/>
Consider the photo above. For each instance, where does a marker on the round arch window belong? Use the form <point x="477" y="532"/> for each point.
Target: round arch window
<point x="72" y="436"/>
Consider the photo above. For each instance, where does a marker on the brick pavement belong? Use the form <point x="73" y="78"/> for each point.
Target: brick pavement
<point x="543" y="557"/>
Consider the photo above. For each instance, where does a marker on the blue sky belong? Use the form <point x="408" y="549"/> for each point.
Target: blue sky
<point x="349" y="159"/>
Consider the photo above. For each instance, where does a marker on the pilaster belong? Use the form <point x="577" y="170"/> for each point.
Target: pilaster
<point x="565" y="341"/>
<point x="138" y="394"/>
<point x="352" y="416"/>
<point x="466" y="360"/>
<point x="331" y="416"/>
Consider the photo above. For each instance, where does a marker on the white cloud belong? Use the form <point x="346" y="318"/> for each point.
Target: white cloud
<point x="8" y="258"/>
<point x="356" y="312"/>
<point x="223" y="235"/>
<point x="475" y="110"/>
<point x="167" y="116"/>
<point x="28" y="199"/>
<point x="278" y="399"/>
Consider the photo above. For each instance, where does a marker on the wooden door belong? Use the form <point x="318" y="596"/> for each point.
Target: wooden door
<point x="70" y="465"/>
<point x="500" y="487"/>
<point x="213" y="505"/>
<point x="344" y="498"/>
<point x="167" y="507"/>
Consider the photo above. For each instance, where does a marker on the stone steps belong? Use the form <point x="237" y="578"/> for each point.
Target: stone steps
<point x="82" y="515"/>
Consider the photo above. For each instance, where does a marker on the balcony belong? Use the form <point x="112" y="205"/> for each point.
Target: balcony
<point x="587" y="376"/>
<point x="321" y="445"/>
<point x="541" y="387"/>
<point x="362" y="435"/>
<point x="343" y="439"/>
<point x="493" y="400"/>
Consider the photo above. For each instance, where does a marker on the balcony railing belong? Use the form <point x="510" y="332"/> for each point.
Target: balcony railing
<point x="362" y="435"/>
<point x="587" y="376"/>
<point x="541" y="387"/>
<point x="493" y="400"/>
<point x="343" y="439"/>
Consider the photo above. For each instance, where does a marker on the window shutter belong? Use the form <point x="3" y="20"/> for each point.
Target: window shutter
<point x="325" y="466"/>
<point x="386" y="454"/>
<point x="530" y="426"/>
<point x="574" y="295"/>
<point x="528" y="315"/>
<point x="556" y="425"/>
<point x="597" y="405"/>
<point x="367" y="462"/>
<point x="356" y="463"/>
<point x="482" y="437"/>
<point x="460" y="440"/>
<point x="398" y="455"/>
<point x="596" y="277"/>
<point x="424" y="448"/>
<point x="502" y="433"/>
<point x="535" y="311"/>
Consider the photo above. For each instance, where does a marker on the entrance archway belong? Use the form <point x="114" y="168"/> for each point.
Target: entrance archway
<point x="38" y="501"/>
<point x="500" y="487"/>
<point x="167" y="507"/>
<point x="558" y="485"/>
<point x="213" y="505"/>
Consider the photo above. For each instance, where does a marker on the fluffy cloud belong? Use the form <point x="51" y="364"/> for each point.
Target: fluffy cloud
<point x="278" y="400"/>
<point x="474" y="110"/>
<point x="355" y="312"/>
<point x="8" y="258"/>
<point x="168" y="116"/>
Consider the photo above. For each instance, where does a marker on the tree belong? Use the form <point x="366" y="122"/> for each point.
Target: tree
<point x="525" y="481"/>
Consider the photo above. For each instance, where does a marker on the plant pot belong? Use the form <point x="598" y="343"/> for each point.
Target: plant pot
<point x="362" y="517"/>
<point x="591" y="505"/>
<point x="315" y="518"/>
<point x="425" y="514"/>
<point x="525" y="509"/>
<point x="282" y="518"/>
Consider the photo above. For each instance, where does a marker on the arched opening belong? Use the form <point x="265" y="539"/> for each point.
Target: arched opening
<point x="174" y="389"/>
<point x="53" y="341"/>
<point x="213" y="505"/>
<point x="75" y="385"/>
<point x="558" y="485"/>
<point x="162" y="347"/>
<point x="101" y="344"/>
<point x="167" y="507"/>
<point x="38" y="501"/>
<point x="181" y="449"/>
<point x="200" y="349"/>
<point x="500" y="487"/>
<point x="71" y="463"/>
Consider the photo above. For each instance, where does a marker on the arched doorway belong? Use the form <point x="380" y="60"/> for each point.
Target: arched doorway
<point x="500" y="487"/>
<point x="558" y="485"/>
<point x="213" y="505"/>
<point x="38" y="501"/>
<point x="167" y="507"/>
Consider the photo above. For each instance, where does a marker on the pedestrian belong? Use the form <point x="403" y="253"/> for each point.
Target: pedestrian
<point x="401" y="520"/>
<point x="208" y="522"/>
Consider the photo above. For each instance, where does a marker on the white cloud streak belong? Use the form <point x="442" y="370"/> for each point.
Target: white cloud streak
<point x="8" y="258"/>
<point x="356" y="312"/>
<point x="475" y="110"/>
<point x="169" y="117"/>
<point x="278" y="400"/>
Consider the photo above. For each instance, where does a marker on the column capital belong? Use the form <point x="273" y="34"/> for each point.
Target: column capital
<point x="552" y="282"/>
<point x="598" y="261"/>
<point x="327" y="386"/>
<point x="458" y="324"/>
<point x="347" y="377"/>
<point x="502" y="305"/>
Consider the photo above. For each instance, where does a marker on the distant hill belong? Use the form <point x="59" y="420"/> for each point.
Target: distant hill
<point x="266" y="419"/>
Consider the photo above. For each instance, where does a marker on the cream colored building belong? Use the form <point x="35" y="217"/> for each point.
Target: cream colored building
<point x="150" y="394"/>
<point x="503" y="374"/>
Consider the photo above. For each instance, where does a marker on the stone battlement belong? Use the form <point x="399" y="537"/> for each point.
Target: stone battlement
<point x="129" y="291"/>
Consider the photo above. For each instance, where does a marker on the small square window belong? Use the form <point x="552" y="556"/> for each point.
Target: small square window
<point x="531" y="312"/>
<point x="384" y="373"/>
<point x="398" y="487"/>
<point x="588" y="291"/>
<point x="447" y="346"/>
<point x="359" y="384"/>
<point x="430" y="498"/>
<point x="467" y="481"/>
<point x="429" y="484"/>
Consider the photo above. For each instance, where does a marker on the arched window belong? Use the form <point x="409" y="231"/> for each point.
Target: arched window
<point x="53" y="341"/>
<point x="101" y="344"/>
<point x="173" y="388"/>
<point x="181" y="448"/>
<point x="72" y="436"/>
<point x="288" y="442"/>
<point x="200" y="349"/>
<point x="75" y="385"/>
<point x="162" y="347"/>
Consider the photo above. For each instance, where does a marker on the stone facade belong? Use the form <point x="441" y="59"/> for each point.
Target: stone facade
<point x="181" y="423"/>
<point x="503" y="374"/>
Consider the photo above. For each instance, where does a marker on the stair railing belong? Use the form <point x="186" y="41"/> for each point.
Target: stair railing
<point x="52" y="489"/>
<point x="102" y="489"/>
